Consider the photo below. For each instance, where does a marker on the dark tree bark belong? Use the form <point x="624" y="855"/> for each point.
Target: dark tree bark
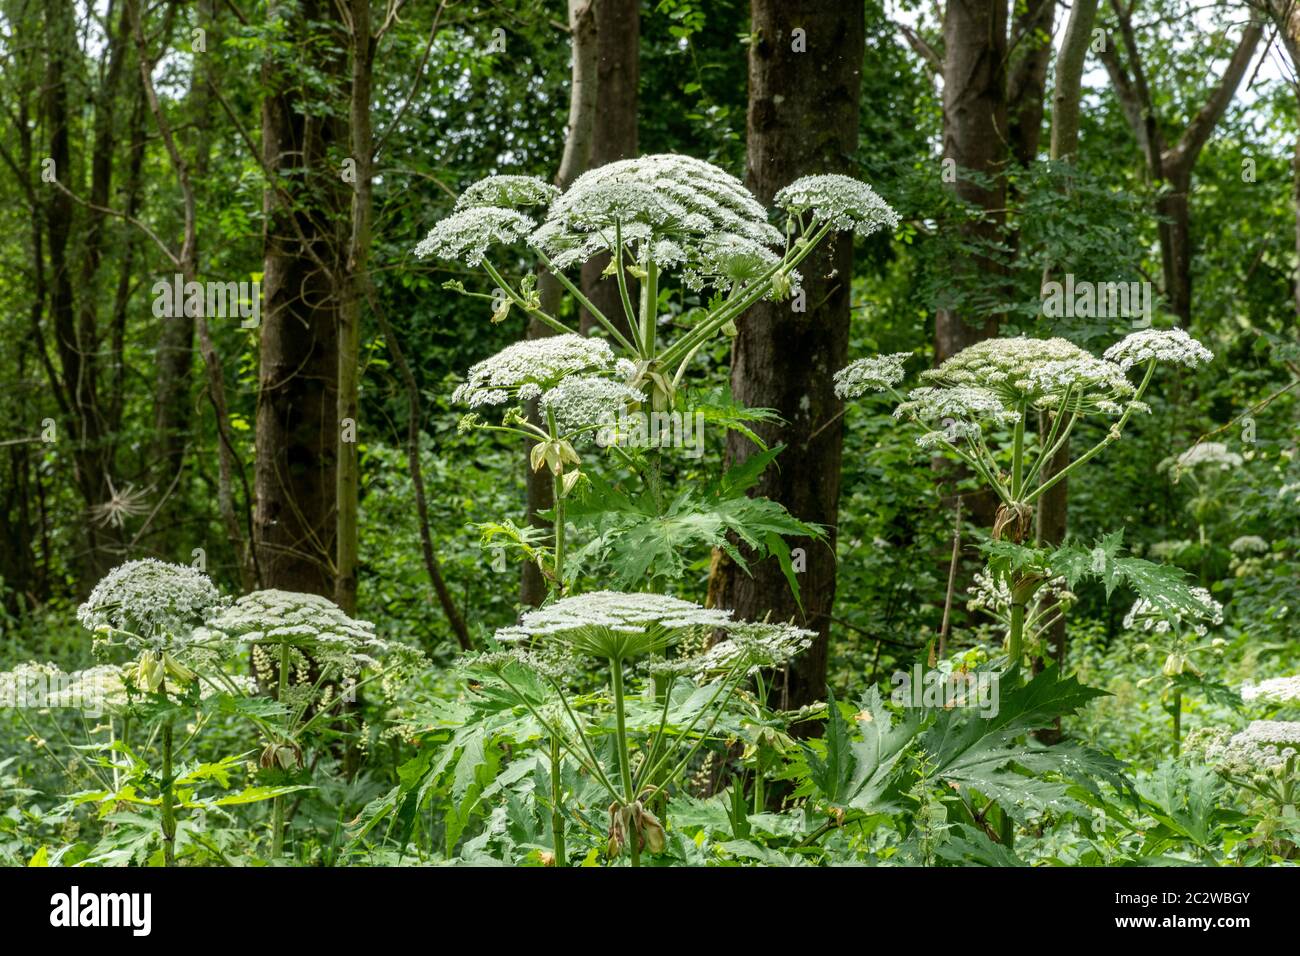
<point x="803" y="119"/>
<point x="974" y="138"/>
<point x="75" y="331"/>
<point x="1031" y="52"/>
<point x="613" y="131"/>
<point x="297" y="420"/>
<point x="583" y="108"/>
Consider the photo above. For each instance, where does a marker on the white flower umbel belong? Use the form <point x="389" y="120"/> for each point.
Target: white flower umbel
<point x="1248" y="544"/>
<point x="150" y="603"/>
<point x="1213" y="455"/>
<point x="614" y="625"/>
<point x="1162" y="345"/>
<point x="1034" y="372"/>
<point x="876" y="373"/>
<point x="1264" y="746"/>
<point x="582" y="402"/>
<point x="507" y="192"/>
<point x="935" y="405"/>
<point x="1274" y="690"/>
<point x="842" y="201"/>
<point x="524" y="370"/>
<point x="314" y="625"/>
<point x="664" y="195"/>
<point x="727" y="260"/>
<point x="747" y="648"/>
<point x="466" y="235"/>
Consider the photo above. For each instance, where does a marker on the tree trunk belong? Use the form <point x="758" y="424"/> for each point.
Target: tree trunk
<point x="1053" y="507"/>
<point x="352" y="297"/>
<point x="583" y="91"/>
<point x="74" y="334"/>
<point x="804" y="92"/>
<point x="1027" y="83"/>
<point x="614" y="132"/>
<point x="297" y="403"/>
<point x="974" y="138"/>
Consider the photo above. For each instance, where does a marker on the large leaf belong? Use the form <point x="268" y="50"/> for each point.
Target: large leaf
<point x="858" y="774"/>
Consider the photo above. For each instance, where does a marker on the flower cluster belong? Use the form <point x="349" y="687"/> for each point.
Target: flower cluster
<point x="875" y="373"/>
<point x="959" y="410"/>
<point x="842" y="201"/>
<point x="526" y="369"/>
<point x="507" y="192"/>
<point x="1248" y="544"/>
<point x="466" y="235"/>
<point x="1264" y="746"/>
<point x="1214" y="454"/>
<point x="748" y="647"/>
<point x="151" y="603"/>
<point x="1146" y="616"/>
<point x="614" y="625"/>
<point x="311" y="624"/>
<point x="1041" y="373"/>
<point x="1274" y="690"/>
<point x="1160" y="345"/>
<point x="646" y="201"/>
<point x="585" y="401"/>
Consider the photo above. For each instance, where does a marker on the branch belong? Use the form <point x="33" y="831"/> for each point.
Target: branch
<point x="1198" y="131"/>
<point x="923" y="49"/>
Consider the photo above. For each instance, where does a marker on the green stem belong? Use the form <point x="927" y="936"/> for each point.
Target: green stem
<point x="277" y="803"/>
<point x="1176" y="707"/>
<point x="622" y="277"/>
<point x="168" y="798"/>
<point x="1018" y="453"/>
<point x="557" y="816"/>
<point x="1015" y="639"/>
<point x="1111" y="436"/>
<point x="624" y="758"/>
<point x="586" y="303"/>
<point x="547" y="320"/>
<point x="649" y="303"/>
<point x="761" y="287"/>
<point x="557" y="486"/>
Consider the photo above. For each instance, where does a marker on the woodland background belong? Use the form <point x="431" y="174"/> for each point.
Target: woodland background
<point x="309" y="145"/>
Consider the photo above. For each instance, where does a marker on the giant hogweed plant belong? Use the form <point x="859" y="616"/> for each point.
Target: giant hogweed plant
<point x="190" y="650"/>
<point x="983" y="405"/>
<point x="653" y="216"/>
<point x="656" y="217"/>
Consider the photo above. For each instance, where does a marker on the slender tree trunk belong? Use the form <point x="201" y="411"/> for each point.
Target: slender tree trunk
<point x="1053" y="507"/>
<point x="353" y="293"/>
<point x="1067" y="95"/>
<point x="974" y="138"/>
<point x="614" y="131"/>
<point x="91" y="456"/>
<point x="583" y="89"/>
<point x="804" y="92"/>
<point x="297" y="404"/>
<point x="1027" y="83"/>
